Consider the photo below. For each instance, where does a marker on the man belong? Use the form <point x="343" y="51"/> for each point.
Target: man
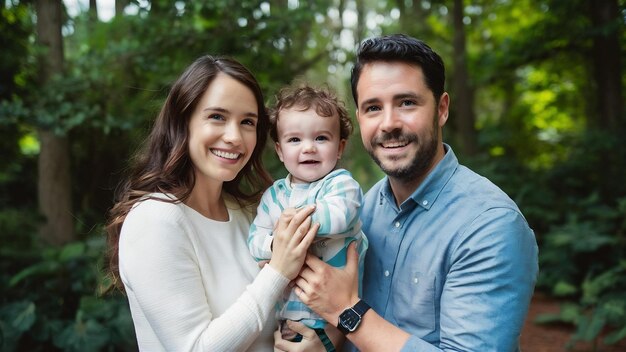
<point x="452" y="262"/>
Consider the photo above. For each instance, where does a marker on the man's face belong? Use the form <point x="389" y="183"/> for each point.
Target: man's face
<point x="400" y="120"/>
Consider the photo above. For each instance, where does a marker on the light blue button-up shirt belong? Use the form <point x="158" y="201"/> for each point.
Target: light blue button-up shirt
<point x="455" y="265"/>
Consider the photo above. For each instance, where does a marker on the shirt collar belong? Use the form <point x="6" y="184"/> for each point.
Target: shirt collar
<point x="428" y="191"/>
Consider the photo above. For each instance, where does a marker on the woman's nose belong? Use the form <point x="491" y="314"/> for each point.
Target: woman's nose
<point x="232" y="134"/>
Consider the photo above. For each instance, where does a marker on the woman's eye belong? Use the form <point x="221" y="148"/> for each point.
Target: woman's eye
<point x="216" y="117"/>
<point x="372" y="108"/>
<point x="249" y="122"/>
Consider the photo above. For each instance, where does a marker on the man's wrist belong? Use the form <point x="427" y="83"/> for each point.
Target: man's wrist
<point x="350" y="319"/>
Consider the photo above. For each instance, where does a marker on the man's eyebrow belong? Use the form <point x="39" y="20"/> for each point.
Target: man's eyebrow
<point x="400" y="96"/>
<point x="405" y="95"/>
<point x="368" y="102"/>
<point x="408" y="95"/>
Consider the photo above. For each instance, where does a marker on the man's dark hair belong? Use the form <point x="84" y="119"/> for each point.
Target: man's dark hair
<point x="401" y="48"/>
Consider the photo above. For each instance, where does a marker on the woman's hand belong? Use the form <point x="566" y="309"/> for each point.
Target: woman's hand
<point x="292" y="237"/>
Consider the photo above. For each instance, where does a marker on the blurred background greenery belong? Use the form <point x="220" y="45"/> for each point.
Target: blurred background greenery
<point x="537" y="107"/>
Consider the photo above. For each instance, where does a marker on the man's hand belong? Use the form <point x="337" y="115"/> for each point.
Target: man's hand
<point x="328" y="290"/>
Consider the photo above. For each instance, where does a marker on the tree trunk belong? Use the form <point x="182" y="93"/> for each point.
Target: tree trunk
<point x="159" y="7"/>
<point x="360" y="25"/>
<point x="464" y="94"/>
<point x="606" y="63"/>
<point x="93" y="11"/>
<point x="120" y="5"/>
<point x="54" y="186"/>
<point x="55" y="189"/>
<point x="412" y="18"/>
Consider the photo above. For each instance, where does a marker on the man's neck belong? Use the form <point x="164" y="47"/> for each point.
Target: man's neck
<point x="402" y="189"/>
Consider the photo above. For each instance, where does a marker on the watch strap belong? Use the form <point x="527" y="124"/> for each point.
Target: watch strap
<point x="361" y="307"/>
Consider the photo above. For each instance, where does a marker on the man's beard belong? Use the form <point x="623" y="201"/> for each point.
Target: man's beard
<point x="421" y="162"/>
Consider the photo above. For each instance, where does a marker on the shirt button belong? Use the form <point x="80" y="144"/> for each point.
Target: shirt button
<point x="415" y="280"/>
<point x="386" y="272"/>
<point x="397" y="224"/>
<point x="425" y="202"/>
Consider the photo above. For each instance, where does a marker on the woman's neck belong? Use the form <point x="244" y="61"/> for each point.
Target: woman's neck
<point x="208" y="200"/>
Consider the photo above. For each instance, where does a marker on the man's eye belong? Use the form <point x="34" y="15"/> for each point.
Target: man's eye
<point x="372" y="108"/>
<point x="407" y="103"/>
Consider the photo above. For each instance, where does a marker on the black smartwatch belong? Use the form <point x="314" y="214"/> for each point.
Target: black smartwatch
<point x="350" y="318"/>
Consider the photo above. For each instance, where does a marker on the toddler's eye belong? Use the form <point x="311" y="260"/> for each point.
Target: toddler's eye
<point x="293" y="140"/>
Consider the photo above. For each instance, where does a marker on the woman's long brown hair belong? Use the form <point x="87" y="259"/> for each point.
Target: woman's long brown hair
<point x="163" y="164"/>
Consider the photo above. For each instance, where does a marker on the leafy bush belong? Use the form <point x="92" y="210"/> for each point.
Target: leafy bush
<point x="583" y="249"/>
<point x="583" y="260"/>
<point x="49" y="294"/>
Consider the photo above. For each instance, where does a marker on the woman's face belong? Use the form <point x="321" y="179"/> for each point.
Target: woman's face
<point x="222" y="130"/>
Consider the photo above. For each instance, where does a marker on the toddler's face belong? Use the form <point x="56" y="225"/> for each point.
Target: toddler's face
<point x="308" y="144"/>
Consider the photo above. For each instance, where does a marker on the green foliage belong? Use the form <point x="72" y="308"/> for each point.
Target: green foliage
<point x="602" y="307"/>
<point x="57" y="106"/>
<point x="534" y="103"/>
<point x="49" y="298"/>
<point x="16" y="27"/>
<point x="582" y="252"/>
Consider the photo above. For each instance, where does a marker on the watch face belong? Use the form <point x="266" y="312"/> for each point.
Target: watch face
<point x="350" y="319"/>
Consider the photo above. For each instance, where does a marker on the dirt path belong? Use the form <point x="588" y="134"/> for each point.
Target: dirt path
<point x="553" y="338"/>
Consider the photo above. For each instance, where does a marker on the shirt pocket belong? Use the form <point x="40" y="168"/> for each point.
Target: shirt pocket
<point x="414" y="302"/>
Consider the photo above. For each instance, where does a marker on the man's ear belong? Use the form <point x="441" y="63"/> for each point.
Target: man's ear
<point x="443" y="109"/>
<point x="279" y="151"/>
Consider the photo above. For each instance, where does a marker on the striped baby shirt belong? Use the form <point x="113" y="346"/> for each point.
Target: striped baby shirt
<point x="338" y="198"/>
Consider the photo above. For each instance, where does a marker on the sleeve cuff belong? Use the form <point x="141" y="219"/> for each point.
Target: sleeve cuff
<point x="267" y="247"/>
<point x="270" y="280"/>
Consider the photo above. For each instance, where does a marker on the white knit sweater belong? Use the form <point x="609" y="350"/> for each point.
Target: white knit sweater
<point x="191" y="282"/>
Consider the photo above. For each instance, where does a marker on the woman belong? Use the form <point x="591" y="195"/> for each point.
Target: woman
<point x="179" y="228"/>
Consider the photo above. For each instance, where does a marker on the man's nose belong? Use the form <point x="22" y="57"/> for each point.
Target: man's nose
<point x="390" y="121"/>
